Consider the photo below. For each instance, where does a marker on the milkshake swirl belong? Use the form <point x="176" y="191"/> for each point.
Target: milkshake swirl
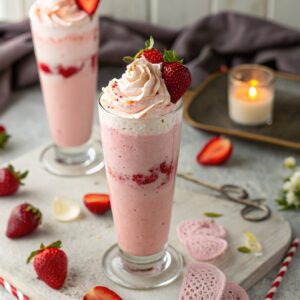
<point x="55" y="13"/>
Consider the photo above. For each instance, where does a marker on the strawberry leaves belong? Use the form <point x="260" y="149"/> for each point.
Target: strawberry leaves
<point x="56" y="245"/>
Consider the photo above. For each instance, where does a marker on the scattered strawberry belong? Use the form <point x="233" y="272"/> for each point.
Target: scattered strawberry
<point x="89" y="6"/>
<point x="24" y="219"/>
<point x="101" y="293"/>
<point x="153" y="55"/>
<point x="45" y="68"/>
<point x="97" y="203"/>
<point x="3" y="136"/>
<point x="50" y="264"/>
<point x="215" y="152"/>
<point x="10" y="180"/>
<point x="177" y="76"/>
<point x="68" y="71"/>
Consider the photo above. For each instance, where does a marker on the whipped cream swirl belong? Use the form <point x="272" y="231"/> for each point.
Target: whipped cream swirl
<point x="141" y="89"/>
<point x="58" y="12"/>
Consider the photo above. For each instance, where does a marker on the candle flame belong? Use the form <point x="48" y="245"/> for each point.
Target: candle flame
<point x="252" y="92"/>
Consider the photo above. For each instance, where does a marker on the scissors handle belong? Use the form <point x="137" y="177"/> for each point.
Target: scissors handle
<point x="241" y="196"/>
<point x="264" y="209"/>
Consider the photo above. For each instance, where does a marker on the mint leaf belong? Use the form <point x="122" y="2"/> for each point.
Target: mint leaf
<point x="244" y="249"/>
<point x="213" y="215"/>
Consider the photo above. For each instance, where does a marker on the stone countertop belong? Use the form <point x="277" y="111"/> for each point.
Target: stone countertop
<point x="255" y="166"/>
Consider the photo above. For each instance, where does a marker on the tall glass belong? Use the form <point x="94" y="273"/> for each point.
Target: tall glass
<point x="67" y="62"/>
<point x="141" y="158"/>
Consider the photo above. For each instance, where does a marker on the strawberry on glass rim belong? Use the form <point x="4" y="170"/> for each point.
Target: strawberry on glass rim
<point x="89" y="6"/>
<point x="216" y="152"/>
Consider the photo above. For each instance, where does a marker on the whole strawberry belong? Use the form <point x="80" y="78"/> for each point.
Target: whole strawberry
<point x="10" y="180"/>
<point x="177" y="77"/>
<point x="23" y="220"/>
<point x="3" y="136"/>
<point x="50" y="264"/>
<point x="153" y="55"/>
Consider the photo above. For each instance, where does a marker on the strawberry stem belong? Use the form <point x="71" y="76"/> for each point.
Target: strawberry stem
<point x="18" y="175"/>
<point x="37" y="213"/>
<point x="56" y="244"/>
<point x="4" y="137"/>
<point x="148" y="45"/>
<point x="171" y="56"/>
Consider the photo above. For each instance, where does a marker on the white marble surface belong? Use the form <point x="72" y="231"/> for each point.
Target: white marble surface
<point x="258" y="167"/>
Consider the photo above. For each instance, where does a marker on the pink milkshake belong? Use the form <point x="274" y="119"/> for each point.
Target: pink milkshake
<point x="140" y="129"/>
<point x="66" y="41"/>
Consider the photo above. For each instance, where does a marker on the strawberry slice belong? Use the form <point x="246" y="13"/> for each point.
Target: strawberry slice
<point x="89" y="6"/>
<point x="216" y="152"/>
<point x="101" y="293"/>
<point x="97" y="203"/>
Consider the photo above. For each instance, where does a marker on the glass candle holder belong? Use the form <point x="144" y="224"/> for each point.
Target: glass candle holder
<point x="251" y="95"/>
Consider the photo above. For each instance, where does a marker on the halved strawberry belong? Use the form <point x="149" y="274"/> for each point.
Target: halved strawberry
<point x="97" y="203"/>
<point x="216" y="152"/>
<point x="3" y="136"/>
<point x="101" y="293"/>
<point x="89" y="6"/>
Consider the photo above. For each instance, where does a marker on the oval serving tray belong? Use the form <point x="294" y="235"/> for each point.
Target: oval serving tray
<point x="206" y="109"/>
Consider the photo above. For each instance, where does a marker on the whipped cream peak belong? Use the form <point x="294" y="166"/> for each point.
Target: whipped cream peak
<point x="58" y="12"/>
<point x="139" y="91"/>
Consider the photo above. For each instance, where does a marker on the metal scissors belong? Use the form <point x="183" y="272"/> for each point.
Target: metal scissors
<point x="238" y="195"/>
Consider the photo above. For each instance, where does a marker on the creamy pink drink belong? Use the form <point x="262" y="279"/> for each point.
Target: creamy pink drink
<point x="140" y="129"/>
<point x="141" y="159"/>
<point x="66" y="46"/>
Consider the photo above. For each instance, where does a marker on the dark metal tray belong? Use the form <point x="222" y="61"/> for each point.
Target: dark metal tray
<point x="206" y="108"/>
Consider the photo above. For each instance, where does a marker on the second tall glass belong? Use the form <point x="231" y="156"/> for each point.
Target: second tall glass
<point x="141" y="158"/>
<point x="67" y="62"/>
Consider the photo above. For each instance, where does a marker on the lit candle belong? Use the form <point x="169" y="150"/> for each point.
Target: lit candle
<point x="251" y="99"/>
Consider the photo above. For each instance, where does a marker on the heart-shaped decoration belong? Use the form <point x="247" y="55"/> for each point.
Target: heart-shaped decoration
<point x="205" y="248"/>
<point x="189" y="228"/>
<point x="202" y="282"/>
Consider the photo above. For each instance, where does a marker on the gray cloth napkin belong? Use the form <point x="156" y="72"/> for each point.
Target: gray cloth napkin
<point x="222" y="39"/>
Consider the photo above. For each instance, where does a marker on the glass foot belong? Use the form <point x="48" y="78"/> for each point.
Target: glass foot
<point x="71" y="162"/>
<point x="142" y="272"/>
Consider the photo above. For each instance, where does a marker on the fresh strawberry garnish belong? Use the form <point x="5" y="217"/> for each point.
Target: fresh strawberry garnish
<point x="89" y="6"/>
<point x="45" y="68"/>
<point x="24" y="219"/>
<point x="177" y="76"/>
<point x="215" y="152"/>
<point x="68" y="71"/>
<point x="50" y="264"/>
<point x="153" y="55"/>
<point x="101" y="293"/>
<point x="97" y="203"/>
<point x="10" y="180"/>
<point x="3" y="136"/>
